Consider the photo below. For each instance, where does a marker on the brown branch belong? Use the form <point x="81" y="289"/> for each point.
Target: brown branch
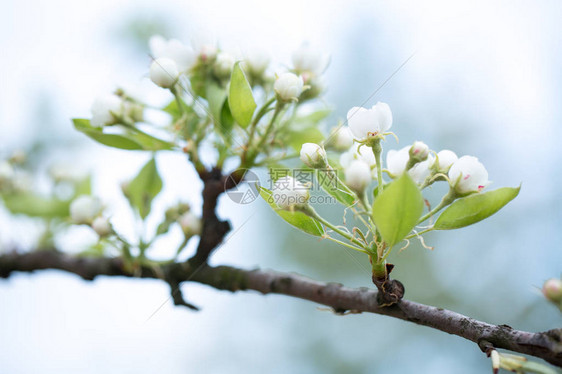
<point x="546" y="345"/>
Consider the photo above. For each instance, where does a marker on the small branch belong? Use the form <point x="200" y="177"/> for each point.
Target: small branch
<point x="546" y="345"/>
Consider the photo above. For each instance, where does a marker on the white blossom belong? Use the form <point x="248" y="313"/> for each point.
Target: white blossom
<point x="468" y="175"/>
<point x="164" y="72"/>
<point x="358" y="175"/>
<point x="182" y="54"/>
<point x="84" y="209"/>
<point x="190" y="223"/>
<point x="6" y="171"/>
<point x="101" y="226"/>
<point x="365" y="123"/>
<point x="342" y="138"/>
<point x="308" y="59"/>
<point x="445" y="159"/>
<point x="288" y="86"/>
<point x="256" y="61"/>
<point x="396" y="161"/>
<point x="224" y="64"/>
<point x="313" y="155"/>
<point x="358" y="152"/>
<point x="106" y="109"/>
<point x="420" y="171"/>
<point x="288" y="192"/>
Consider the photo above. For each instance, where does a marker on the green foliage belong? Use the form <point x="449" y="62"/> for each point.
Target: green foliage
<point x="144" y="188"/>
<point x="297" y="138"/>
<point x="397" y="209"/>
<point x="329" y="181"/>
<point x="298" y="219"/>
<point x="33" y="205"/>
<point x="240" y="98"/>
<point x="475" y="208"/>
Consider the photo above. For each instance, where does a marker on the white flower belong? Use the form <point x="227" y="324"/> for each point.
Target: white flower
<point x="224" y="64"/>
<point x="288" y="86"/>
<point x="190" y="224"/>
<point x="164" y="72"/>
<point x="552" y="290"/>
<point x="101" y="226"/>
<point x="468" y="175"/>
<point x="256" y="61"/>
<point x="341" y="138"/>
<point x="420" y="171"/>
<point x="365" y="123"/>
<point x="182" y="54"/>
<point x="313" y="155"/>
<point x="358" y="152"/>
<point x="288" y="192"/>
<point x="84" y="209"/>
<point x="358" y="175"/>
<point x="419" y="151"/>
<point x="445" y="159"/>
<point x="105" y="110"/>
<point x="308" y="59"/>
<point x="396" y="161"/>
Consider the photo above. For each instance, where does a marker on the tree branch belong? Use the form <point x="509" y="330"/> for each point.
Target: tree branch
<point x="546" y="345"/>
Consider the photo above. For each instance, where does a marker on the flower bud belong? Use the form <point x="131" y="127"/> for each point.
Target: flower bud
<point x="313" y="155"/>
<point x="101" y="226"/>
<point x="552" y="290"/>
<point x="468" y="175"/>
<point x="367" y="123"/>
<point x="106" y="110"/>
<point x="419" y="151"/>
<point x="256" y="61"/>
<point x="84" y="209"/>
<point x="341" y="138"/>
<point x="288" y="192"/>
<point x="164" y="72"/>
<point x="445" y="159"/>
<point x="288" y="86"/>
<point x="190" y="224"/>
<point x="396" y="161"/>
<point x="358" y="175"/>
<point x="223" y="65"/>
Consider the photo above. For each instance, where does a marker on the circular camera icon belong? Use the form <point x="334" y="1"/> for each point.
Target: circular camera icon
<point x="246" y="190"/>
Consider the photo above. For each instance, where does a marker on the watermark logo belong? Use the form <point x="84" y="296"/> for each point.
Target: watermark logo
<point x="246" y="190"/>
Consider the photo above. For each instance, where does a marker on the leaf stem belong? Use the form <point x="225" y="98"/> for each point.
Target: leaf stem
<point x="447" y="199"/>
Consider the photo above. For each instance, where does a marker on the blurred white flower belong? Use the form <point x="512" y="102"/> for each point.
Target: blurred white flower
<point x="365" y="123"/>
<point x="552" y="290"/>
<point x="308" y="59"/>
<point x="288" y="86"/>
<point x="358" y="152"/>
<point x="106" y="109"/>
<point x="468" y="175"/>
<point x="256" y="61"/>
<point x="182" y="54"/>
<point x="396" y="161"/>
<point x="224" y="64"/>
<point x="101" y="226"/>
<point x="342" y="138"/>
<point x="84" y="209"/>
<point x="164" y="72"/>
<point x="358" y="175"/>
<point x="6" y="171"/>
<point x="420" y="171"/>
<point x="190" y="224"/>
<point x="313" y="155"/>
<point x="288" y="192"/>
<point x="445" y="159"/>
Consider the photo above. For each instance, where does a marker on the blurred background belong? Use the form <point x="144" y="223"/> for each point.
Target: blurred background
<point x="483" y="79"/>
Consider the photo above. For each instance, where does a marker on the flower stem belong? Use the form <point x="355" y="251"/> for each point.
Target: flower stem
<point x="308" y="210"/>
<point x="377" y="150"/>
<point x="447" y="199"/>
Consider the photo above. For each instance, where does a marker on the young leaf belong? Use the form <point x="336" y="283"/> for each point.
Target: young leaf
<point x="149" y="142"/>
<point x="298" y="219"/>
<point x="144" y="188"/>
<point x="397" y="209"/>
<point x="329" y="181"/>
<point x="33" y="205"/>
<point x="110" y="140"/>
<point x="216" y="96"/>
<point x="240" y="97"/>
<point x="475" y="208"/>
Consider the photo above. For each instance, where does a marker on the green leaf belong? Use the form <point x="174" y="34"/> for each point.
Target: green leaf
<point x="144" y="188"/>
<point x="475" y="208"/>
<point x="314" y="117"/>
<point x="149" y="142"/>
<point x="216" y="97"/>
<point x="298" y="219"/>
<point x="110" y="140"/>
<point x="329" y="181"/>
<point x="397" y="210"/>
<point x="33" y="205"/>
<point x="308" y="135"/>
<point x="240" y="97"/>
